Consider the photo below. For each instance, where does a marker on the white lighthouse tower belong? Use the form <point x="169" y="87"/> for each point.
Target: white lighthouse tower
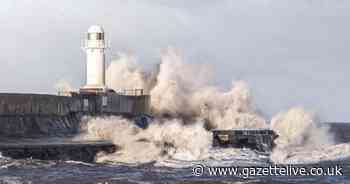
<point x="94" y="46"/>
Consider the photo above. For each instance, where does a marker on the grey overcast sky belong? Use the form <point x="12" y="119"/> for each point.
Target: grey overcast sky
<point x="291" y="53"/>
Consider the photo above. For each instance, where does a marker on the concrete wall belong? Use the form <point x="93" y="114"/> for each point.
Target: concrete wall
<point x="48" y="105"/>
<point x="39" y="126"/>
<point x="125" y="104"/>
<point x="28" y="115"/>
<point x="113" y="103"/>
<point x="37" y="104"/>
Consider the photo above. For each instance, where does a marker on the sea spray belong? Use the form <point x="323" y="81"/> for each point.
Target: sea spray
<point x="161" y="140"/>
<point x="298" y="127"/>
<point x="298" y="130"/>
<point x="125" y="73"/>
<point x="63" y="86"/>
<point x="176" y="84"/>
<point x="232" y="109"/>
<point x="182" y="90"/>
<point x="185" y="90"/>
<point x="186" y="107"/>
<point x="193" y="107"/>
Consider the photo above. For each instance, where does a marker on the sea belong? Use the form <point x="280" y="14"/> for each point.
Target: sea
<point x="182" y="168"/>
<point x="172" y="171"/>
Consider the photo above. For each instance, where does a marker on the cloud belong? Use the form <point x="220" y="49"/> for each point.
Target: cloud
<point x="290" y="52"/>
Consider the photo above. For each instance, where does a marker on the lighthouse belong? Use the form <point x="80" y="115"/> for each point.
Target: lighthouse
<point x="94" y="46"/>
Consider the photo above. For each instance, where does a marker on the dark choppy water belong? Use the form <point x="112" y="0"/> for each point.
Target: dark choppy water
<point x="176" y="170"/>
<point x="36" y="171"/>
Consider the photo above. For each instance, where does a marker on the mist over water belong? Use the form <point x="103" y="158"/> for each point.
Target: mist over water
<point x="187" y="106"/>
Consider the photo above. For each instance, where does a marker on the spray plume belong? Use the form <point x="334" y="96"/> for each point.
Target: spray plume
<point x="63" y="86"/>
<point x="183" y="94"/>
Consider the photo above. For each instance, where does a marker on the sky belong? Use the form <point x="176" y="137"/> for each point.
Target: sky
<point x="291" y="53"/>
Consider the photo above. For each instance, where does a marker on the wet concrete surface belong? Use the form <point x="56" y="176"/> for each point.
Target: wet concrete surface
<point x="54" y="148"/>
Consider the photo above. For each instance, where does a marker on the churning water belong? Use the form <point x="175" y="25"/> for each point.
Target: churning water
<point x="186" y="107"/>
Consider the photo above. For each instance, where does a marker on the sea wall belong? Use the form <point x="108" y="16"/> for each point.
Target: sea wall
<point x="32" y="115"/>
<point x="39" y="126"/>
<point x="52" y="105"/>
<point x="57" y="149"/>
<point x="37" y="104"/>
<point x="126" y="104"/>
<point x="113" y="103"/>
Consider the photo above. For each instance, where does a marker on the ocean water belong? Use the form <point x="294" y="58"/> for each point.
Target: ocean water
<point x="164" y="171"/>
<point x="167" y="153"/>
<point x="142" y="160"/>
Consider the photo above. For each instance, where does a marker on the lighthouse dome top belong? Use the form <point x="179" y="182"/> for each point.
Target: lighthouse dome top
<point x="95" y="29"/>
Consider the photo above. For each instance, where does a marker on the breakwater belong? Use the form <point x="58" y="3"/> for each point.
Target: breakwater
<point x="30" y="115"/>
<point x="43" y="126"/>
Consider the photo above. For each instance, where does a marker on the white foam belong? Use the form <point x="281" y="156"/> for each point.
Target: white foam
<point x="185" y="92"/>
<point x="307" y="155"/>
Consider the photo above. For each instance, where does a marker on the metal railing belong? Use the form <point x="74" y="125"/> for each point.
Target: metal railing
<point x="131" y="92"/>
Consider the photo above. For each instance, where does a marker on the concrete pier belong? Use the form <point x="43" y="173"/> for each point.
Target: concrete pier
<point x="40" y="115"/>
<point x="263" y="140"/>
<point x="39" y="126"/>
<point x="256" y="139"/>
<point x="54" y="149"/>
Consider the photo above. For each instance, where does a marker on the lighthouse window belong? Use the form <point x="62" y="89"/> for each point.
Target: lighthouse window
<point x="95" y="36"/>
<point x="90" y="37"/>
<point x="99" y="36"/>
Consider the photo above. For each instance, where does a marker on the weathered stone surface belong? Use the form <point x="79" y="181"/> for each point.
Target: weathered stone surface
<point x="39" y="116"/>
<point x="39" y="126"/>
<point x="37" y="104"/>
<point x="52" y="105"/>
<point x="54" y="149"/>
<point x="261" y="140"/>
<point x="28" y="115"/>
